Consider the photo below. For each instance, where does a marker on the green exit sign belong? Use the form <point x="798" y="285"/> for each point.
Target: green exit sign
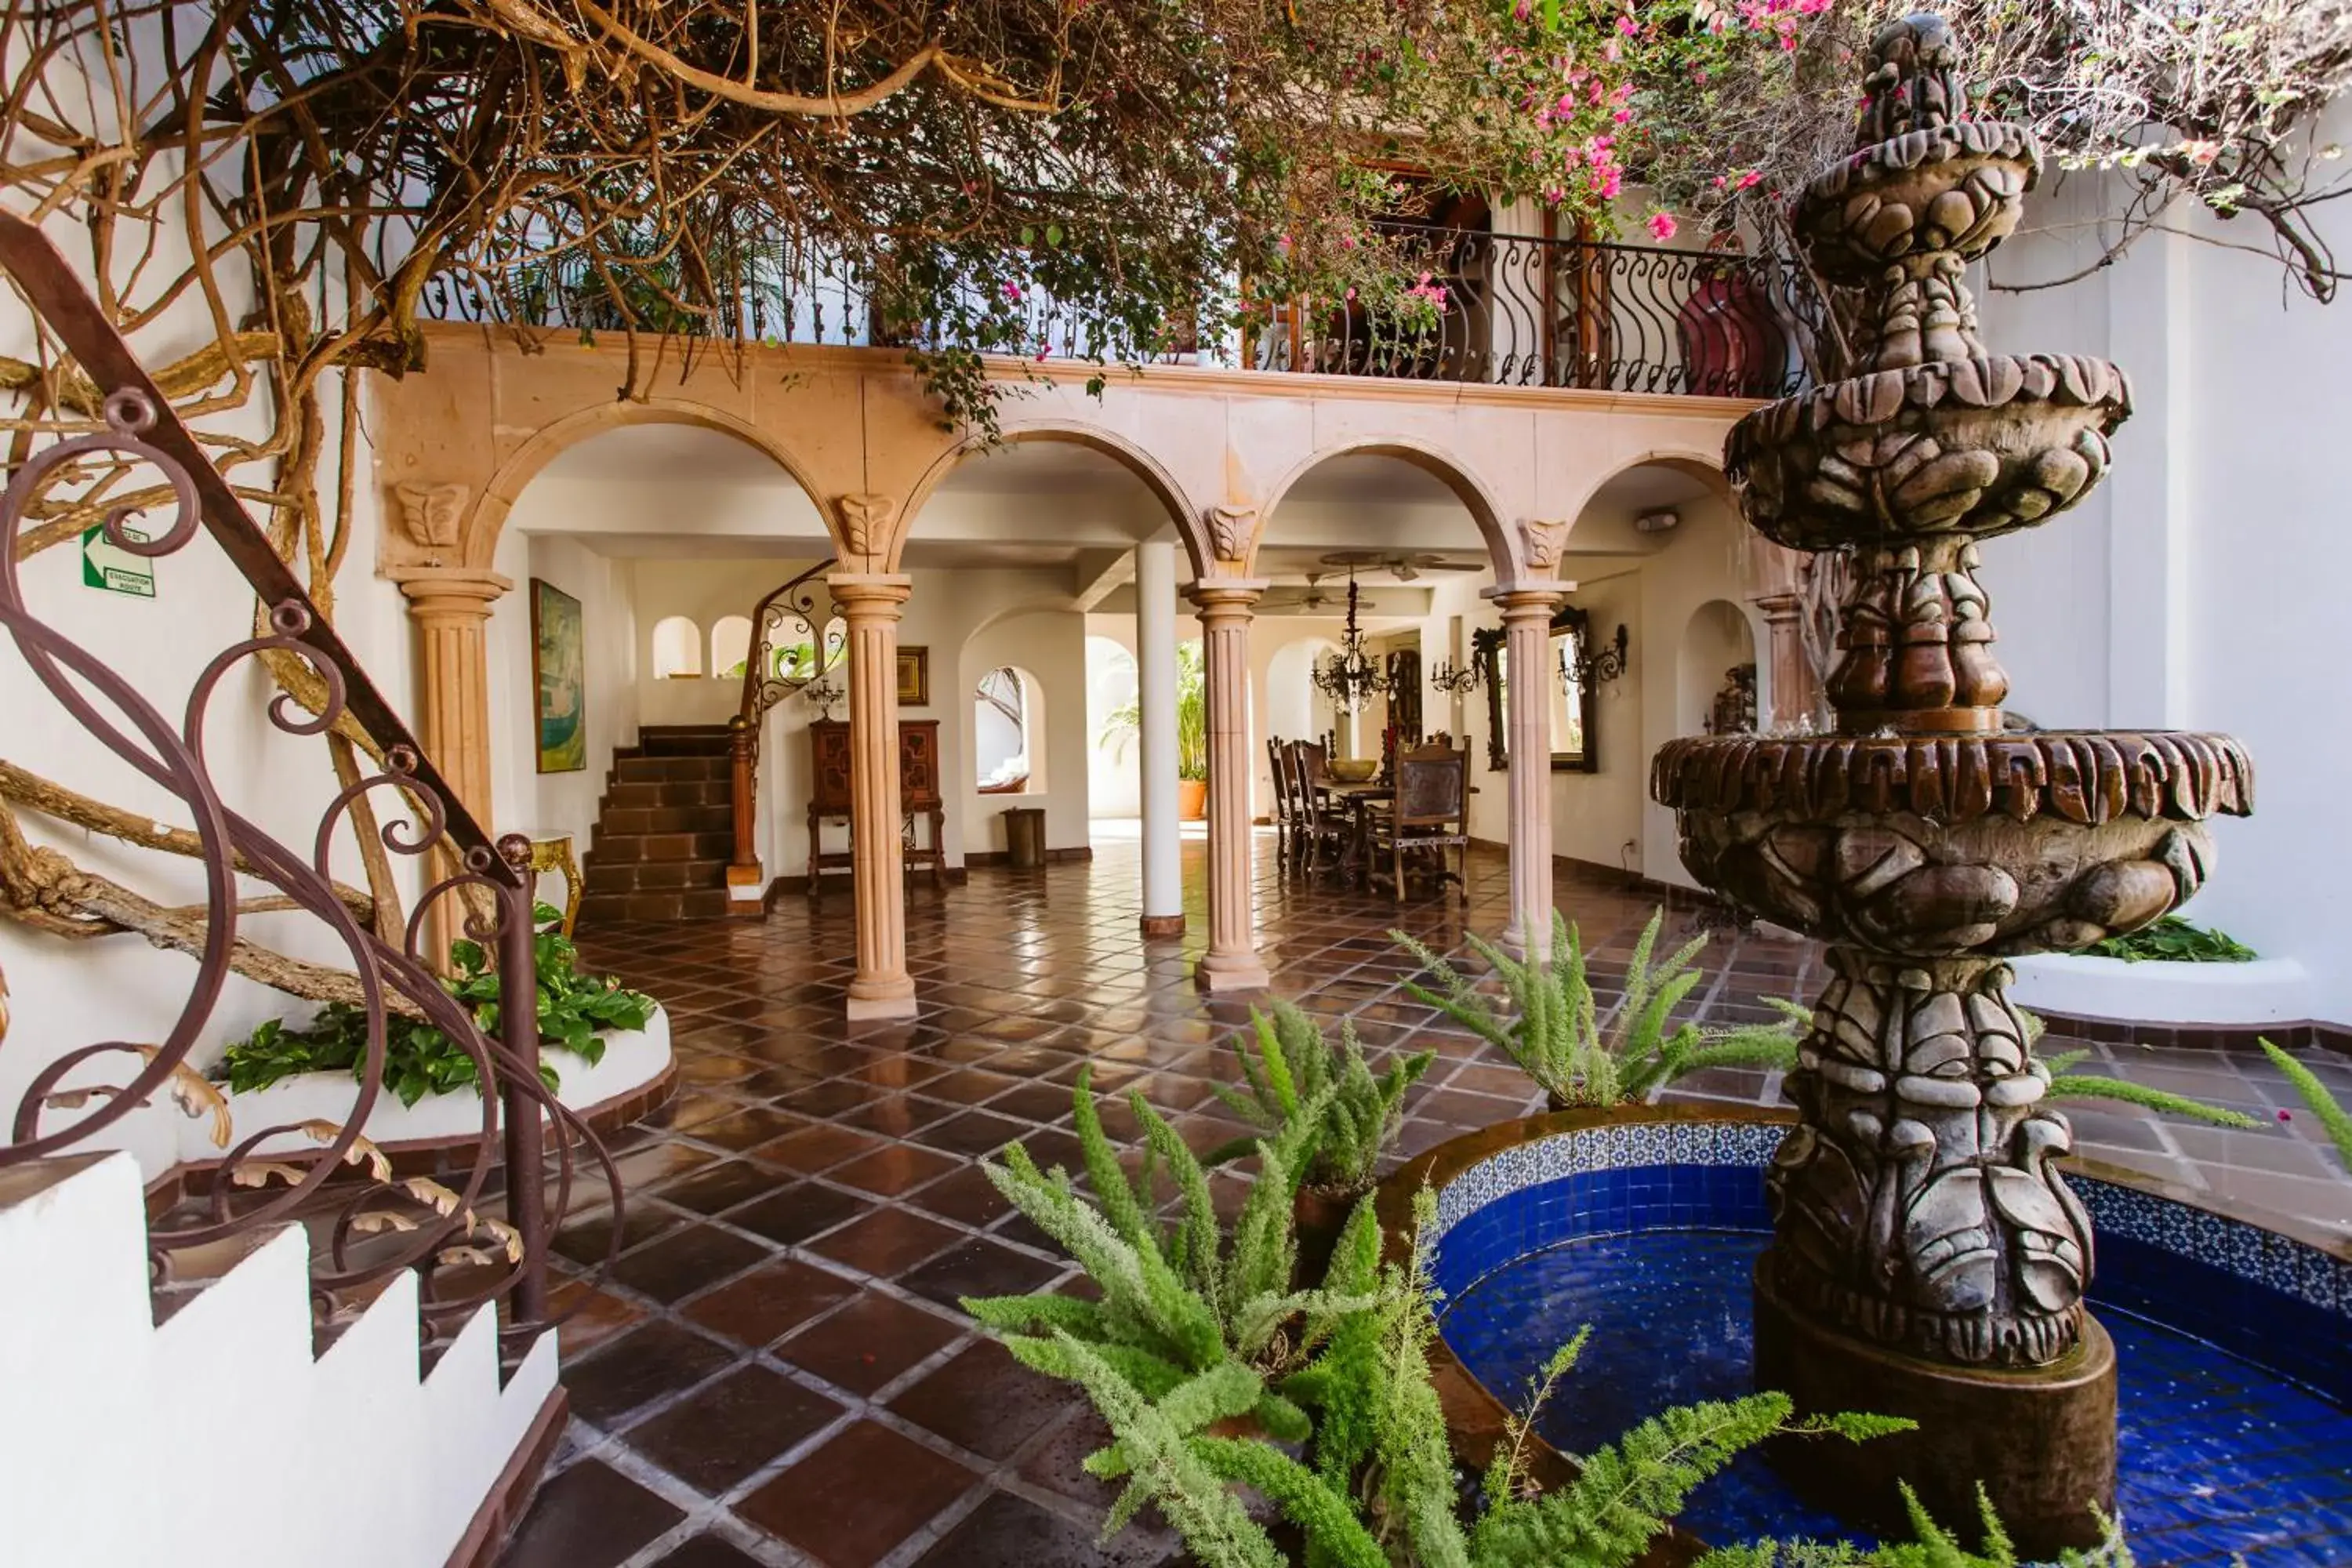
<point x="108" y="566"/>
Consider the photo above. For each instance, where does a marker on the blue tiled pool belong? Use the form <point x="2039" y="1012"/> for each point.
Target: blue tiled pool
<point x="2219" y="1454"/>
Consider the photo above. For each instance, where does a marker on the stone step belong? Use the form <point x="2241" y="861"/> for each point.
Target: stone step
<point x="686" y="793"/>
<point x="659" y="769"/>
<point x="691" y="904"/>
<point x="680" y="740"/>
<point x="668" y="819"/>
<point x="654" y="876"/>
<point x="627" y="848"/>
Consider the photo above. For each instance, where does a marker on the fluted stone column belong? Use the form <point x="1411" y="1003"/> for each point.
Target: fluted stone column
<point x="869" y="602"/>
<point x="1232" y="962"/>
<point x="451" y="608"/>
<point x="1526" y="653"/>
<point x="1155" y="670"/>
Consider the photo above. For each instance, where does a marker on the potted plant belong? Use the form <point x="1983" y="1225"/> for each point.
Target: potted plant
<point x="1550" y="1029"/>
<point x="1124" y="723"/>
<point x="1294" y="1069"/>
<point x="1548" y="1021"/>
<point x="578" y="1015"/>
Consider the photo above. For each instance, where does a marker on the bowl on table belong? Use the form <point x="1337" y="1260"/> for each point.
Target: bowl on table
<point x="1354" y="769"/>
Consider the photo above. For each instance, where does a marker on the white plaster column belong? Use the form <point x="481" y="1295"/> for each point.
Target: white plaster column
<point x="1232" y="962"/>
<point x="2148" y="495"/>
<point x="869" y="602"/>
<point x="1155" y="671"/>
<point x="1527" y="673"/>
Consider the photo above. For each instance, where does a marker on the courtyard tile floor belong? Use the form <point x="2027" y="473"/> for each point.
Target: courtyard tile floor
<point x="776" y="1373"/>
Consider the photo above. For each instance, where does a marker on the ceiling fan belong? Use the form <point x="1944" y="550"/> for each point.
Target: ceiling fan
<point x="1403" y="565"/>
<point x="1311" y="598"/>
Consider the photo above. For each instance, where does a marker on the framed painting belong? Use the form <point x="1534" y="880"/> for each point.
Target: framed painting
<point x="559" y="678"/>
<point x="914" y="678"/>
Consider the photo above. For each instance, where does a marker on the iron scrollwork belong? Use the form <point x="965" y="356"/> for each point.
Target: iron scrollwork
<point x="369" y="1222"/>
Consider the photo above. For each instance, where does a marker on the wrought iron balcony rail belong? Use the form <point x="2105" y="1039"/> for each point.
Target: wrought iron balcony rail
<point x="1501" y="310"/>
<point x="469" y="1242"/>
<point x="1519" y="311"/>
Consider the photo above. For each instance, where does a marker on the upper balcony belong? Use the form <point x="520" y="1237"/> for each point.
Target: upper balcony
<point x="1497" y="309"/>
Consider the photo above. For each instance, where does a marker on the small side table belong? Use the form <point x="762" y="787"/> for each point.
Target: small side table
<point x="551" y="850"/>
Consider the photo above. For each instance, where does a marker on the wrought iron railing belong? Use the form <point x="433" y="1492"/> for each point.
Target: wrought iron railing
<point x="796" y="643"/>
<point x="1519" y="310"/>
<point x="1503" y="309"/>
<point x="470" y="1241"/>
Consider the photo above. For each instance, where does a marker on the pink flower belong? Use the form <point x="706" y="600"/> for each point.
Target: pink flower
<point x="1013" y="292"/>
<point x="1351" y="293"/>
<point x="1718" y="181"/>
<point x="2286" y="1116"/>
<point x="1042" y="353"/>
<point x="1753" y="178"/>
<point x="1611" y="50"/>
<point x="1626" y="25"/>
<point x="1661" y="226"/>
<point x="1623" y="116"/>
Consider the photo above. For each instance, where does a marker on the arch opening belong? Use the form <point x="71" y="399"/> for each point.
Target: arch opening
<point x="676" y="648"/>
<point x="1008" y="724"/>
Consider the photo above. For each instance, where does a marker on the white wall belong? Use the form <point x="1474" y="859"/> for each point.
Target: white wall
<point x="1114" y="773"/>
<point x="2197" y="589"/>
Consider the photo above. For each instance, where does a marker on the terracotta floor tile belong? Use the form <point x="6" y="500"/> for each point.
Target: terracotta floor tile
<point x="686" y="1260"/>
<point x="724" y="1186"/>
<point x="1009" y="1532"/>
<point x="796" y="1213"/>
<point x="868" y="1342"/>
<point x="983" y="1400"/>
<point x="978" y="1267"/>
<point x="885" y="1242"/>
<point x="590" y="1516"/>
<point x="768" y="1303"/>
<point x="895" y="1169"/>
<point x="816" y="1149"/>
<point x="830" y="1505"/>
<point x="638" y="1367"/>
<point x="709" y="1551"/>
<point x="716" y="1438"/>
<point x="968" y="1196"/>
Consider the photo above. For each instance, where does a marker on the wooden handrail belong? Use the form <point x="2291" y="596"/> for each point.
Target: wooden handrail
<point x="763" y="689"/>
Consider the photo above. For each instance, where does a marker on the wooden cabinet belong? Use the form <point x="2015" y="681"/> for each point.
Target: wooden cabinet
<point x="920" y="794"/>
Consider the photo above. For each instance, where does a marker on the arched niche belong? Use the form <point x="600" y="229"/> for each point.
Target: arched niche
<point x="677" y="652"/>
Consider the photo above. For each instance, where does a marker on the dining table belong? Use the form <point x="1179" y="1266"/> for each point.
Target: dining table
<point x="1362" y="802"/>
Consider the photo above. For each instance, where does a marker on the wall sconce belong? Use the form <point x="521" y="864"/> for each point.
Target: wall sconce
<point x="1452" y="680"/>
<point x="1597" y="667"/>
<point x="1665" y="520"/>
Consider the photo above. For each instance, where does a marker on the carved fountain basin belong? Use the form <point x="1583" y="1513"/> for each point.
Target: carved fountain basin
<point x="1959" y="847"/>
<point x="1978" y="446"/>
<point x="1957" y="188"/>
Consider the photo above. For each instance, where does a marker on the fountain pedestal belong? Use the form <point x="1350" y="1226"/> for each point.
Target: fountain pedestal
<point x="2040" y="1440"/>
<point x="1927" y="1258"/>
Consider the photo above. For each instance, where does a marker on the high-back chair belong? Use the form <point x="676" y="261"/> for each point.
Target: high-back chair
<point x="1285" y="814"/>
<point x="1323" y="824"/>
<point x="1432" y="787"/>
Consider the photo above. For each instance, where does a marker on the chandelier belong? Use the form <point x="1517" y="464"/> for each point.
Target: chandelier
<point x="1351" y="676"/>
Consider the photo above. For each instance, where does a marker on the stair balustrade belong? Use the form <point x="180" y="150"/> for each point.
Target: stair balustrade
<point x="797" y="643"/>
<point x="466" y="1243"/>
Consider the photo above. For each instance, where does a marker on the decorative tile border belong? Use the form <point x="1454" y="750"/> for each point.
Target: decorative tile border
<point x="2276" y="1298"/>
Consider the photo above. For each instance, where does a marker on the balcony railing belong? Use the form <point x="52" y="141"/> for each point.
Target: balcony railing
<point x="1498" y="309"/>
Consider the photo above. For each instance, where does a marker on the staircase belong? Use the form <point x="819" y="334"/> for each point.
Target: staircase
<point x="127" y="1436"/>
<point x="664" y="830"/>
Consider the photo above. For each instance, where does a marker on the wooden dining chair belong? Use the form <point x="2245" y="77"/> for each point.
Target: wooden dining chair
<point x="1286" y="816"/>
<point x="1324" y="824"/>
<point x="1428" y="818"/>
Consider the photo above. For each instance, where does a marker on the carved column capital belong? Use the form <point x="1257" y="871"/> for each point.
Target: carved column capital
<point x="432" y="515"/>
<point x="1543" y="539"/>
<point x="868" y="595"/>
<point x="1232" y="530"/>
<point x="1527" y="601"/>
<point x="452" y="594"/>
<point x="865" y="521"/>
<point x="1226" y="598"/>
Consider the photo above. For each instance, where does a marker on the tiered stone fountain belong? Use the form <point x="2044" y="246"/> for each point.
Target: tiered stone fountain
<point x="1927" y="1260"/>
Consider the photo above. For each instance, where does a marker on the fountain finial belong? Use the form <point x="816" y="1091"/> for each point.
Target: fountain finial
<point x="1914" y="81"/>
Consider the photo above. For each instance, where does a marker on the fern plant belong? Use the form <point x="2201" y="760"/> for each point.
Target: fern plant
<point x="1179" y="1299"/>
<point x="1294" y="1067"/>
<point x="1550" y="1022"/>
<point x="1933" y="1547"/>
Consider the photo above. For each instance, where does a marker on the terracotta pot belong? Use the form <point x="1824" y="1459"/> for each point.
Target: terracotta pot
<point x="1318" y="1215"/>
<point x="1191" y="799"/>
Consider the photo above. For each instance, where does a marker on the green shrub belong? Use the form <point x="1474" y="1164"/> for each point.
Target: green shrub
<point x="419" y="1058"/>
<point x="1550" y="1025"/>
<point x="1293" y="1065"/>
<point x="2174" y="940"/>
